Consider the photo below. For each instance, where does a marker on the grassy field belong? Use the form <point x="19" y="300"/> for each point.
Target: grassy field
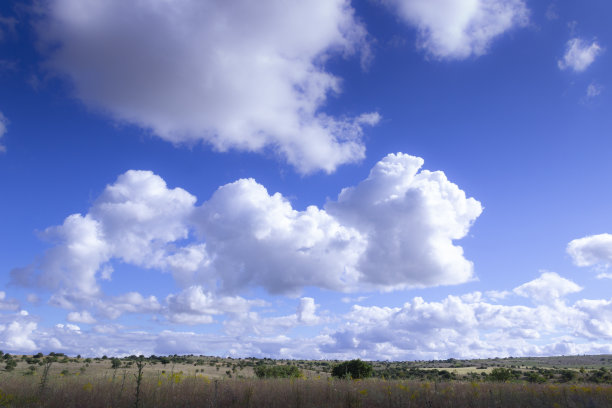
<point x="217" y="382"/>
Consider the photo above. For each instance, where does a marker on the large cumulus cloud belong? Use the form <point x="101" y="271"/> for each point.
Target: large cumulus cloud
<point x="411" y="219"/>
<point x="237" y="75"/>
<point x="394" y="230"/>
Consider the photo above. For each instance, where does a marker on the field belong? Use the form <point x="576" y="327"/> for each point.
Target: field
<point x="219" y="382"/>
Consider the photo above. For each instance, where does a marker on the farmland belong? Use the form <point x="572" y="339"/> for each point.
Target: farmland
<point x="574" y="381"/>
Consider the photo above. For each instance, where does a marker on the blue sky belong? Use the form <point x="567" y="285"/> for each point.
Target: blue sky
<point x="383" y="179"/>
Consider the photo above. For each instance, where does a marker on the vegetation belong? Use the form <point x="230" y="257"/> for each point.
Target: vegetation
<point x="354" y="369"/>
<point x="277" y="371"/>
<point x="57" y="380"/>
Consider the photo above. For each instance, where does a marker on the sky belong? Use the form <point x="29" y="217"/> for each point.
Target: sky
<point x="331" y="179"/>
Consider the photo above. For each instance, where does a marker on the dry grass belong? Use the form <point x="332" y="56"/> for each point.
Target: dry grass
<point x="181" y="390"/>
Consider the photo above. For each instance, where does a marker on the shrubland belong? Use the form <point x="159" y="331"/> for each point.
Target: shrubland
<point x="57" y="380"/>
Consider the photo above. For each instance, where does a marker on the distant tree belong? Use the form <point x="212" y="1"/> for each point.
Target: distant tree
<point x="501" y="374"/>
<point x="354" y="369"/>
<point x="277" y="371"/>
<point x="568" y="375"/>
<point x="10" y="365"/>
<point x="115" y="363"/>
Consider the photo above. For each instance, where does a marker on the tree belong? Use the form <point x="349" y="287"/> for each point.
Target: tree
<point x="501" y="374"/>
<point x="10" y="365"/>
<point x="277" y="371"/>
<point x="354" y="369"/>
<point x="115" y="363"/>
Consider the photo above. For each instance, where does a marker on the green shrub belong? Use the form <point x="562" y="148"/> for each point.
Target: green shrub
<point x="354" y="369"/>
<point x="501" y="374"/>
<point x="277" y="371"/>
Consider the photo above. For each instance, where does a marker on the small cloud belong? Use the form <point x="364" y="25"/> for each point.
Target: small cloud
<point x="358" y="299"/>
<point x="593" y="90"/>
<point x="462" y="28"/>
<point x="604" y="275"/>
<point x="548" y="287"/>
<point x="579" y="54"/>
<point x="497" y="294"/>
<point x="8" y="304"/>
<point x="81" y="317"/>
<point x="551" y="12"/>
<point x="591" y="250"/>
<point x="33" y="298"/>
<point x="3" y="123"/>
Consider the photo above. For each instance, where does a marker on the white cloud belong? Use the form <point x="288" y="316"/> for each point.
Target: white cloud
<point x="194" y="306"/>
<point x="8" y="304"/>
<point x="465" y="326"/>
<point x="593" y="90"/>
<point x="459" y="29"/>
<point x="591" y="250"/>
<point x="497" y="295"/>
<point x="410" y="219"/>
<point x="3" y="123"/>
<point x="548" y="288"/>
<point x="17" y="333"/>
<point x="470" y="327"/>
<point x="253" y="323"/>
<point x="241" y="75"/>
<point x="347" y="299"/>
<point x="132" y="220"/>
<point x="579" y="54"/>
<point x="306" y="311"/>
<point x="131" y="302"/>
<point x="257" y="239"/>
<point x="394" y="230"/>
<point x="81" y="317"/>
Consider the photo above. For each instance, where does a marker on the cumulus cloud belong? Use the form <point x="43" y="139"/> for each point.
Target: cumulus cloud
<point x="241" y="75"/>
<point x="81" y="317"/>
<point x="549" y="287"/>
<point x="459" y="29"/>
<point x="194" y="306"/>
<point x="253" y="323"/>
<point x="258" y="239"/>
<point x="467" y="326"/>
<point x="132" y="302"/>
<point x="470" y="327"/>
<point x="132" y="220"/>
<point x="591" y="250"/>
<point x="410" y="219"/>
<point x="17" y="332"/>
<point x="3" y="123"/>
<point x="394" y="230"/>
<point x="579" y="54"/>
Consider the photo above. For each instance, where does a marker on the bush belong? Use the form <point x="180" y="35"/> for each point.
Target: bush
<point x="10" y="365"/>
<point x="353" y="369"/>
<point x="277" y="371"/>
<point x="501" y="374"/>
<point x="115" y="363"/>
